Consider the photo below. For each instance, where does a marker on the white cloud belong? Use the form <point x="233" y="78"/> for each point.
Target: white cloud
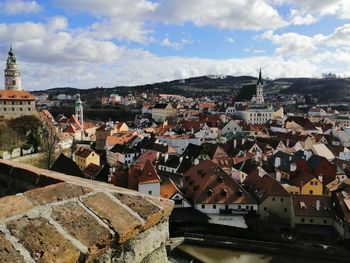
<point x="15" y="7"/>
<point x="130" y="19"/>
<point x="291" y="44"/>
<point x="230" y="40"/>
<point x="225" y="14"/>
<point x="175" y="45"/>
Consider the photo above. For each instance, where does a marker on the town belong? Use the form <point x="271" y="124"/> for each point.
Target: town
<point x="245" y="164"/>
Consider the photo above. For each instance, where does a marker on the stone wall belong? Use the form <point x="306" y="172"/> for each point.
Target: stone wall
<point x="69" y="219"/>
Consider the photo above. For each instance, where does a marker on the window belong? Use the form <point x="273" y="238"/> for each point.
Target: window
<point x="316" y="183"/>
<point x="281" y="199"/>
<point x="203" y="206"/>
<point x="214" y="206"/>
<point x="150" y="192"/>
<point x="303" y="220"/>
<point x="311" y="220"/>
<point x="247" y="207"/>
<point x="226" y="207"/>
<point x="273" y="199"/>
<point x="285" y="210"/>
<point x="311" y="192"/>
<point x="324" y="221"/>
<point x="311" y="183"/>
<point x="239" y="207"/>
<point x="265" y="208"/>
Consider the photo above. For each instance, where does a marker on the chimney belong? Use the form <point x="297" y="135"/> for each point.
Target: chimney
<point x="277" y="162"/>
<point x="293" y="167"/>
<point x="320" y="178"/>
<point x="234" y="143"/>
<point x="181" y="159"/>
<point x="318" y="205"/>
<point x="196" y="161"/>
<point x="157" y="155"/>
<point x="278" y="176"/>
<point x="166" y="157"/>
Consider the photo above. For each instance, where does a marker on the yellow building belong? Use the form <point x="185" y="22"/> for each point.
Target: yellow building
<point x="83" y="157"/>
<point x="308" y="184"/>
<point x="162" y="111"/>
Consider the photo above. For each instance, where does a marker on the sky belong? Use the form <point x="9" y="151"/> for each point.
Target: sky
<point x="89" y="43"/>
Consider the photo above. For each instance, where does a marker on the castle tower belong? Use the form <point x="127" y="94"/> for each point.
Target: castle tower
<point x="259" y="97"/>
<point x="79" y="114"/>
<point x="12" y="73"/>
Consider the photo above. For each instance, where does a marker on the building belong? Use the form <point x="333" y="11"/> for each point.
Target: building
<point x="83" y="157"/>
<point x="213" y="191"/>
<point x="14" y="101"/>
<point x="162" y="111"/>
<point x="312" y="210"/>
<point x="275" y="202"/>
<point x="259" y="96"/>
<point x="258" y="112"/>
<point x="79" y="115"/>
<point x="149" y="180"/>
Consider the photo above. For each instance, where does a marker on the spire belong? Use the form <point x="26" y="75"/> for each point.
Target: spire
<point x="11" y="59"/>
<point x="260" y="78"/>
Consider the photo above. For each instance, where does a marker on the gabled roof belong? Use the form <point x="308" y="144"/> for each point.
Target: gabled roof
<point x="306" y="206"/>
<point x="149" y="174"/>
<point x="263" y="186"/>
<point x="302" y="178"/>
<point x="92" y="170"/>
<point x="207" y="183"/>
<point x="84" y="152"/>
<point x="66" y="165"/>
<point x="302" y="121"/>
<point x="168" y="189"/>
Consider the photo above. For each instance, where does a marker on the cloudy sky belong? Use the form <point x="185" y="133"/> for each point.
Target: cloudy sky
<point x="88" y="43"/>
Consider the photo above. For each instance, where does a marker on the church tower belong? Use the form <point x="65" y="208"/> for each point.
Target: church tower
<point x="79" y="114"/>
<point x="259" y="97"/>
<point x="12" y="73"/>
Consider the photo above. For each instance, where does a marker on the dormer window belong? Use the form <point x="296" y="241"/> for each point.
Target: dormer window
<point x="210" y="192"/>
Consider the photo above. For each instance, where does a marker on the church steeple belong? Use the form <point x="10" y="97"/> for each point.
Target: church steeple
<point x="259" y="96"/>
<point x="260" y="81"/>
<point x="12" y="73"/>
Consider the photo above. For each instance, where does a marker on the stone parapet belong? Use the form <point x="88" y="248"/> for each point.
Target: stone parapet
<point x="55" y="217"/>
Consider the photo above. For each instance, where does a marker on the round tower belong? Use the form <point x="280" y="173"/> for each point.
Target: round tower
<point x="79" y="114"/>
<point x="12" y="73"/>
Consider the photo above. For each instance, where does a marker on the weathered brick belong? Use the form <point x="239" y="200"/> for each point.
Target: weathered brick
<point x="8" y="252"/>
<point x="167" y="204"/>
<point x="13" y="205"/>
<point x="83" y="226"/>
<point x="151" y="213"/>
<point x="125" y="224"/>
<point x="43" y="241"/>
<point x="55" y="193"/>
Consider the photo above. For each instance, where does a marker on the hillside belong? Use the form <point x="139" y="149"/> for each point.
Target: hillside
<point x="325" y="90"/>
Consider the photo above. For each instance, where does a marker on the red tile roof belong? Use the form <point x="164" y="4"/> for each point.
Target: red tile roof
<point x="149" y="174"/>
<point x="207" y="183"/>
<point x="16" y="95"/>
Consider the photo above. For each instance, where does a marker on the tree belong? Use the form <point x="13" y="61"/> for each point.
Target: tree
<point x="49" y="143"/>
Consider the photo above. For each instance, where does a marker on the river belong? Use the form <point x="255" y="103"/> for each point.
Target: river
<point x="218" y="255"/>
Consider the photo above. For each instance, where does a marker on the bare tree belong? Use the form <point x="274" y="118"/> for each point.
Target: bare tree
<point x="49" y="143"/>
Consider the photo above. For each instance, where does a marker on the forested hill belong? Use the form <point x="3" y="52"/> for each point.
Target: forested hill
<point x="323" y="89"/>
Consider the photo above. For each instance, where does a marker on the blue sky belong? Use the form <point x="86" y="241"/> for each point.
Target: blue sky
<point x="87" y="43"/>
